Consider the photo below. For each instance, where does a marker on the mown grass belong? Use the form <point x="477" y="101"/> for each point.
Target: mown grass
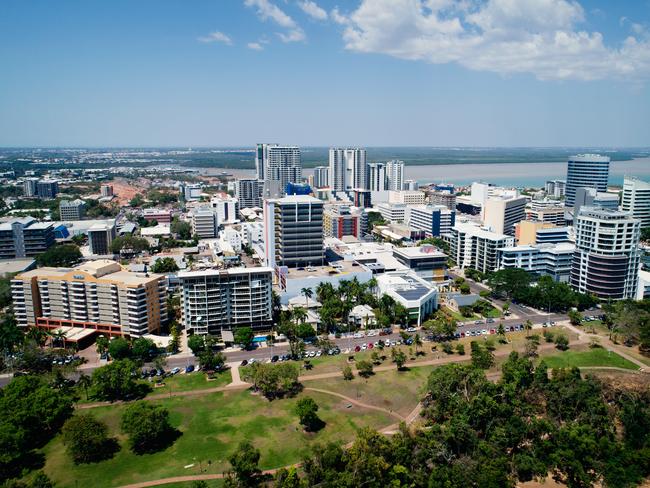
<point x="592" y="358"/>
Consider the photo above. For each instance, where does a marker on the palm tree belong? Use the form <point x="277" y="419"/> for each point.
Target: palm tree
<point x="417" y="342"/>
<point x="307" y="293"/>
<point x="528" y="325"/>
<point x="39" y="336"/>
<point x="371" y="284"/>
<point x="10" y="335"/>
<point x="58" y="337"/>
<point x="299" y="314"/>
<point x="324" y="290"/>
<point x="85" y="382"/>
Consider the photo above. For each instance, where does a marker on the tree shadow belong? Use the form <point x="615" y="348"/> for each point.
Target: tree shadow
<point x="315" y="426"/>
<point x="161" y="443"/>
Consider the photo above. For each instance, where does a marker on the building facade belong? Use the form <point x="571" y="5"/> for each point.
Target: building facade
<point x="96" y="295"/>
<point x="47" y="189"/>
<point x="476" y="247"/>
<point x="227" y="209"/>
<point x="340" y="221"/>
<point x="434" y="220"/>
<point x="347" y="169"/>
<point x="554" y="260"/>
<point x="377" y="177"/>
<point x="586" y="170"/>
<point x="394" y="175"/>
<point x="72" y="210"/>
<point x="248" y="192"/>
<point x="607" y="257"/>
<point x="100" y="238"/>
<point x="321" y="176"/>
<point x="636" y="199"/>
<point x="213" y="301"/>
<point x="501" y="214"/>
<point x="25" y="237"/>
<point x="205" y="222"/>
<point x="283" y="165"/>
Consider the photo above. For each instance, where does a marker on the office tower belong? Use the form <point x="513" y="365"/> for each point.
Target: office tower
<point x="442" y="198"/>
<point x="394" y="175"/>
<point x="475" y="247"/>
<point x="47" y="189"/>
<point x="74" y="210"/>
<point x="227" y="209"/>
<point x="283" y="165"/>
<point x="248" y="192"/>
<point x="100" y="238"/>
<point x="214" y="301"/>
<point x="106" y="190"/>
<point x="341" y="221"/>
<point x="434" y="220"/>
<point x="586" y="170"/>
<point x="607" y="257"/>
<point x="555" y="188"/>
<point x="293" y="231"/>
<point x="347" y="169"/>
<point x="410" y="185"/>
<point x="30" y="187"/>
<point x="205" y="222"/>
<point x="25" y="237"/>
<point x="377" y="177"/>
<point x="159" y="215"/>
<point x="392" y="213"/>
<point x="191" y="192"/>
<point x="321" y="176"/>
<point x="500" y="214"/>
<point x="550" y="259"/>
<point x="96" y="295"/>
<point x="261" y="160"/>
<point x="636" y="199"/>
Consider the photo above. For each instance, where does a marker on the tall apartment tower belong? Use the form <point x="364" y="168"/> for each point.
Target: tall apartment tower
<point x="395" y="175"/>
<point x="293" y="231"/>
<point x="321" y="176"/>
<point x="248" y="192"/>
<point x="95" y="295"/>
<point x="377" y="177"/>
<point x="100" y="238"/>
<point x="261" y="160"/>
<point x="282" y="165"/>
<point x="30" y="187"/>
<point x="47" y="189"/>
<point x="106" y="190"/>
<point x="347" y="169"/>
<point x="636" y="199"/>
<point x="607" y="255"/>
<point x="501" y="214"/>
<point x="586" y="170"/>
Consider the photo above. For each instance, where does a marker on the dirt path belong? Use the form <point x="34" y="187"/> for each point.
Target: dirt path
<point x="358" y="403"/>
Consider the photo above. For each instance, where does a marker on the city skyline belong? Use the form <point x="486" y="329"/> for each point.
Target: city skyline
<point x="156" y="74"/>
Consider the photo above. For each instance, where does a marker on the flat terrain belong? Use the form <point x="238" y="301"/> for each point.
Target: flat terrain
<point x="596" y="357"/>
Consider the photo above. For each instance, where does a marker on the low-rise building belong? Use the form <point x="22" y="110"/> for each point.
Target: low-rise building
<point x="341" y="220"/>
<point x="392" y="213"/>
<point x="25" y="237"/>
<point x="72" y="210"/>
<point x="409" y="197"/>
<point x="160" y="215"/>
<point x="554" y="260"/>
<point x="362" y="316"/>
<point x="418" y="296"/>
<point x="473" y="246"/>
<point x="96" y="295"/>
<point x="528" y="232"/>
<point x="434" y="220"/>
<point x="425" y="261"/>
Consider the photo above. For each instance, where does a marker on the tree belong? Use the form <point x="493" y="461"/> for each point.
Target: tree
<point x="147" y="426"/>
<point x="86" y="439"/>
<point x="117" y="381"/>
<point x="175" y="338"/>
<point x="137" y="200"/>
<point x="575" y="317"/>
<point x="507" y="282"/>
<point x="530" y="348"/>
<point x="273" y="380"/>
<point x="347" y="373"/>
<point x="181" y="228"/>
<point x="417" y="342"/>
<point x="10" y="334"/>
<point x="119" y="348"/>
<point x="60" y="256"/>
<point x="245" y="464"/>
<point x="562" y="342"/>
<point x="374" y="357"/>
<point x="465" y="289"/>
<point x="482" y="357"/>
<point x="306" y="409"/>
<point x="399" y="358"/>
<point x="307" y="293"/>
<point x="143" y="349"/>
<point x="364" y="368"/>
<point x="165" y="265"/>
<point x="196" y="343"/>
<point x="460" y="349"/>
<point x="85" y="382"/>
<point x="244" y="337"/>
<point x="101" y="344"/>
<point x="129" y="244"/>
<point x="528" y="325"/>
<point x="211" y="361"/>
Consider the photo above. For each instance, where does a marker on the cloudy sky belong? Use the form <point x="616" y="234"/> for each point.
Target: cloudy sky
<point x="323" y="72"/>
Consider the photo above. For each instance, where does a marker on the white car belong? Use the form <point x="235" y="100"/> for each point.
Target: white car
<point x="318" y="354"/>
<point x="363" y="347"/>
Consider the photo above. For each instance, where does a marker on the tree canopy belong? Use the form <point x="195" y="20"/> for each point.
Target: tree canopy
<point x="147" y="426"/>
<point x="60" y="256"/>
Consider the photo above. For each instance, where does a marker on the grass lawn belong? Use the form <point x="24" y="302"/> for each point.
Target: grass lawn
<point x="192" y="381"/>
<point x="591" y="357"/>
<point x="457" y="316"/>
<point x="212" y="426"/>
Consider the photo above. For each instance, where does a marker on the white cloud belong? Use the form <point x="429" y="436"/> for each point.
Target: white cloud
<point x="255" y="46"/>
<point x="503" y="36"/>
<point x="267" y="10"/>
<point x="312" y="9"/>
<point x="216" y="37"/>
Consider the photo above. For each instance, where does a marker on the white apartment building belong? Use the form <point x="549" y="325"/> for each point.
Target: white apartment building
<point x="191" y="192"/>
<point x="214" y="301"/>
<point x="586" y="171"/>
<point x="607" y="257"/>
<point x="377" y="177"/>
<point x="321" y="177"/>
<point x="205" y="221"/>
<point x="347" y="169"/>
<point x="410" y="185"/>
<point x="394" y="175"/>
<point x="501" y="214"/>
<point x="636" y="199"/>
<point x="475" y="247"/>
<point x="554" y="260"/>
<point x="283" y="165"/>
<point x="248" y="192"/>
<point x="392" y="212"/>
<point x="227" y="209"/>
<point x="95" y="295"/>
<point x="434" y="220"/>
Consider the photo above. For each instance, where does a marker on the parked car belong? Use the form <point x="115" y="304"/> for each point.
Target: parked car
<point x="176" y="370"/>
<point x="275" y="359"/>
<point x="189" y="368"/>
<point x="244" y="362"/>
<point x="357" y="348"/>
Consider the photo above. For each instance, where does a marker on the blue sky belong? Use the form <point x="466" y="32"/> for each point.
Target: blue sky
<point x="324" y="72"/>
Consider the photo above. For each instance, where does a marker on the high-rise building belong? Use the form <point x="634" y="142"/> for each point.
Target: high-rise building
<point x="607" y="257"/>
<point x="293" y="231"/>
<point x="590" y="197"/>
<point x="410" y="185"/>
<point x="100" y="238"/>
<point x="261" y="160"/>
<point x="106" y="190"/>
<point x="283" y="165"/>
<point x="377" y="176"/>
<point x="214" y="301"/>
<point x="555" y="188"/>
<point x="248" y="192"/>
<point x="321" y="176"/>
<point x="434" y="220"/>
<point x="552" y="259"/>
<point x="501" y="214"/>
<point x="636" y="199"/>
<point x="47" y="189"/>
<point x="25" y="237"/>
<point x="30" y="187"/>
<point x="95" y="295"/>
<point x="205" y="222"/>
<point x="586" y="170"/>
<point x="347" y="169"/>
<point x="476" y="247"/>
<point x="448" y="199"/>
<point x="395" y="175"/>
<point x="74" y="210"/>
<point x="227" y="209"/>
